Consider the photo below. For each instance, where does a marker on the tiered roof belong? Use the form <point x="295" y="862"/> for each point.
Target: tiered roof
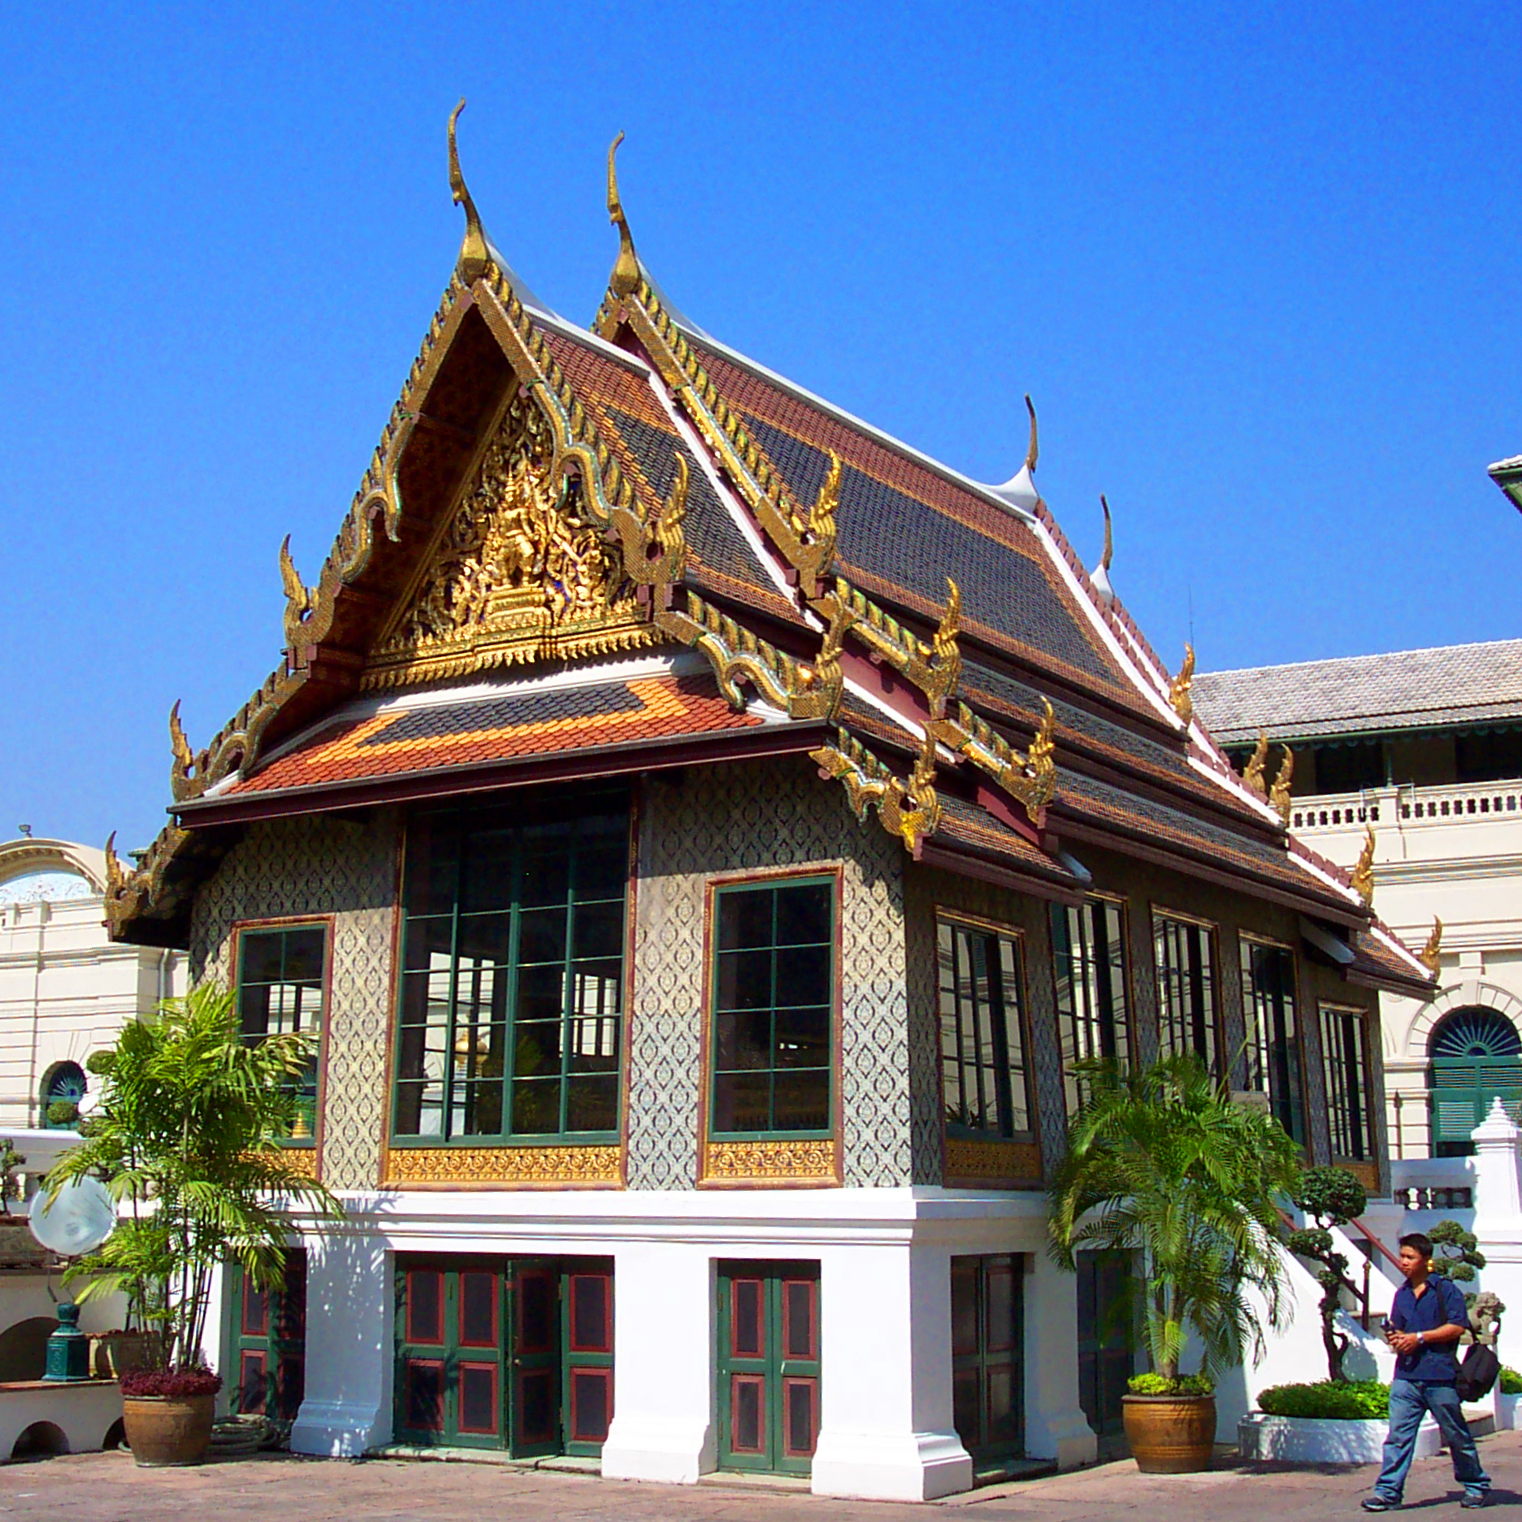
<point x="583" y="553"/>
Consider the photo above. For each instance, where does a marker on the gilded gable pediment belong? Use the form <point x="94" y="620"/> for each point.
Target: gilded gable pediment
<point x="518" y="572"/>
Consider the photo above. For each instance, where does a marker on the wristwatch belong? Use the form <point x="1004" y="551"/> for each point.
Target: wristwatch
<point x="1421" y="1337"/>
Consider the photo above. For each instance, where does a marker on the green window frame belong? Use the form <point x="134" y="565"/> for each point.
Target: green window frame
<point x="772" y="1024"/>
<point x="1273" y="1043"/>
<point x="1089" y="966"/>
<point x="985" y="1084"/>
<point x="282" y="988"/>
<point x="1187" y="1019"/>
<point x="1345" y="1068"/>
<point x="510" y="1009"/>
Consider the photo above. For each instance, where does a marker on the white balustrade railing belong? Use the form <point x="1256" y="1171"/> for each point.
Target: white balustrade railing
<point x="1443" y="803"/>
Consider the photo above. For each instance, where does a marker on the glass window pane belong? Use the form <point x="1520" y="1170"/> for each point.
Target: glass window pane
<point x="803" y="976"/>
<point x="599" y="930"/>
<point x="803" y="1038"/>
<point x="744" y="1041"/>
<point x="745" y="918"/>
<point x="803" y="914"/>
<point x="592" y="1104"/>
<point x="802" y="1101"/>
<point x="541" y="935"/>
<point x="745" y="980"/>
<point x="742" y="1102"/>
<point x="536" y="1106"/>
<point x="261" y="956"/>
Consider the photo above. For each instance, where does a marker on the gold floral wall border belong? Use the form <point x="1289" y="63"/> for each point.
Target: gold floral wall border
<point x="503" y="1167"/>
<point x="775" y="1164"/>
<point x="1017" y="1164"/>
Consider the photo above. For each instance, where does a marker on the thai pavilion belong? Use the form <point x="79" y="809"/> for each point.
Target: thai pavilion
<point x="703" y="833"/>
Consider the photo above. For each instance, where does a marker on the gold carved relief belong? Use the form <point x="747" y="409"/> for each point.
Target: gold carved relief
<point x="993" y="1161"/>
<point x="771" y="1162"/>
<point x="542" y="1167"/>
<point x="520" y="573"/>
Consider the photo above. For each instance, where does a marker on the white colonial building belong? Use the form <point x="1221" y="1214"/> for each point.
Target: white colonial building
<point x="65" y="988"/>
<point x="1423" y="748"/>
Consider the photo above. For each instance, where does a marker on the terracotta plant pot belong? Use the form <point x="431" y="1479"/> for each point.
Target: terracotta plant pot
<point x="1170" y="1434"/>
<point x="165" y="1431"/>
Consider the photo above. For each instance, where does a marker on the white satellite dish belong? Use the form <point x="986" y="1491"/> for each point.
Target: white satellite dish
<point x="77" y="1221"/>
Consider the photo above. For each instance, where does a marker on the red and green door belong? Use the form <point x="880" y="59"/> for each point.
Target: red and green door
<point x="768" y="1366"/>
<point x="268" y="1341"/>
<point x="512" y="1354"/>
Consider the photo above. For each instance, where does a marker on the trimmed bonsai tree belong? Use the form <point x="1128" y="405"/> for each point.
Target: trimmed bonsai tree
<point x="1455" y="1253"/>
<point x="1330" y="1197"/>
<point x="188" y="1135"/>
<point x="11" y="1163"/>
<point x="1163" y="1160"/>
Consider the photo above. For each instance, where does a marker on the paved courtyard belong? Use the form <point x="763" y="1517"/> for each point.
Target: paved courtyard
<point x="107" y="1487"/>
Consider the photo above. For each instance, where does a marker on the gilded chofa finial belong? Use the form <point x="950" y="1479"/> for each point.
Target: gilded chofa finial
<point x="1431" y="957"/>
<point x="1178" y="692"/>
<point x="1363" y="873"/>
<point x="1109" y="549"/>
<point x="298" y="596"/>
<point x="1252" y="773"/>
<point x="625" y="279"/>
<point x="116" y="873"/>
<point x="179" y="772"/>
<point x="945" y="653"/>
<point x="1032" y="450"/>
<point x="473" y="258"/>
<point x="1279" y="795"/>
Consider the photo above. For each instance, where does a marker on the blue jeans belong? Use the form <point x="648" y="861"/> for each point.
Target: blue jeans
<point x="1408" y="1403"/>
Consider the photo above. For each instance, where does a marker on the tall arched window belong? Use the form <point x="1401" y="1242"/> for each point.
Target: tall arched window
<point x="1476" y="1058"/>
<point x="64" y="1085"/>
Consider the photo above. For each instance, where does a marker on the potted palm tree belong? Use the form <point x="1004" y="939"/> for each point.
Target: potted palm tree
<point x="188" y="1138"/>
<point x="1163" y="1161"/>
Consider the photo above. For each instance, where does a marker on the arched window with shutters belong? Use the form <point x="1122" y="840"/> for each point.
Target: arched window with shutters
<point x="62" y="1090"/>
<point x="1476" y="1057"/>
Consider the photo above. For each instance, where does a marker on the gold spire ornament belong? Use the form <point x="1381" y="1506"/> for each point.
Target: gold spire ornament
<point x="1032" y="449"/>
<point x="1363" y="873"/>
<point x="625" y="277"/>
<point x="474" y="257"/>
<point x="945" y="653"/>
<point x="180" y="785"/>
<point x="1178" y="692"/>
<point x="1431" y="957"/>
<point x="298" y="596"/>
<point x="1252" y="773"/>
<point x="1109" y="549"/>
<point x="1279" y="795"/>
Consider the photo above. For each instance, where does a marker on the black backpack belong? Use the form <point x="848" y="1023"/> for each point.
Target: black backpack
<point x="1478" y="1372"/>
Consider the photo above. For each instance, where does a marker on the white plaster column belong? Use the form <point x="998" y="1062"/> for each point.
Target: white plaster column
<point x="1055" y="1426"/>
<point x="350" y="1352"/>
<point x="1498" y="1207"/>
<point x="886" y="1430"/>
<point x="663" y="1425"/>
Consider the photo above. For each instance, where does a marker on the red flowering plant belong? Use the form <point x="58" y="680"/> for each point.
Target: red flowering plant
<point x="177" y="1384"/>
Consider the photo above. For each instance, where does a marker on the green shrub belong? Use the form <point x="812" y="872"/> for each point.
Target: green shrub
<point x="1160" y="1384"/>
<point x="1348" y="1400"/>
<point x="1511" y="1382"/>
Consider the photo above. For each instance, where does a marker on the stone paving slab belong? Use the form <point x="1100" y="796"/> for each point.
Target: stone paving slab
<point x="108" y="1487"/>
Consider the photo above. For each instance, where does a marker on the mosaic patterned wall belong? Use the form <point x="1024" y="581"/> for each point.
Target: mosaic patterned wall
<point x="747" y="818"/>
<point x="322" y="865"/>
<point x="928" y="890"/>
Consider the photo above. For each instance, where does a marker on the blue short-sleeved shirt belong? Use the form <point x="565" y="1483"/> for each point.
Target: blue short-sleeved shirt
<point x="1439" y="1304"/>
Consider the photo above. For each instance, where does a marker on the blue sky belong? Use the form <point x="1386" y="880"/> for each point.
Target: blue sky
<point x="1257" y="266"/>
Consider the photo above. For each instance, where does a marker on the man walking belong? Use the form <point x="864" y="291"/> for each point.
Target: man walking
<point x="1426" y="1322"/>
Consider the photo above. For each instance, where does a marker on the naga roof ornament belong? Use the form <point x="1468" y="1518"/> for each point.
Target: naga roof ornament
<point x="474" y="257"/>
<point x="1363" y="873"/>
<point x="1431" y="953"/>
<point x="1178" y="692"/>
<point x="1279" y="795"/>
<point x="1252" y="773"/>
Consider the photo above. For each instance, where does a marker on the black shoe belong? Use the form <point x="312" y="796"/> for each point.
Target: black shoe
<point x="1473" y="1498"/>
<point x="1379" y="1503"/>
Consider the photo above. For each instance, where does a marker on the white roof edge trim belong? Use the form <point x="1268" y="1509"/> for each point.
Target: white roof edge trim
<point x="1125" y="658"/>
<point x="993" y="494"/>
<point x="520" y="287"/>
<point x="674" y="663"/>
<point x="1394" y="944"/>
<point x="1314" y="869"/>
<point x="1237" y="788"/>
<point x="736" y="510"/>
